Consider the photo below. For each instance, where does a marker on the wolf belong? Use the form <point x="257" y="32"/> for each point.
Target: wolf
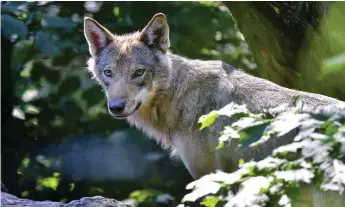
<point x="164" y="94"/>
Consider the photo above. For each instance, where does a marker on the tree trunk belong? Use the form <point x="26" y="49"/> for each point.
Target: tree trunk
<point x="12" y="129"/>
<point x="288" y="42"/>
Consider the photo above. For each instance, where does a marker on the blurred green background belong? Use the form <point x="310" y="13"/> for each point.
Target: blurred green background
<point x="59" y="142"/>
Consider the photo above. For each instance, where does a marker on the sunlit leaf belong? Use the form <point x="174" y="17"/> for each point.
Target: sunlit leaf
<point x="334" y="64"/>
<point x="220" y="145"/>
<point x="303" y="175"/>
<point x="50" y="182"/>
<point x="210" y="201"/>
<point x="250" y="192"/>
<point x="26" y="162"/>
<point x="25" y="193"/>
<point x="336" y="179"/>
<point x="147" y="196"/>
<point x="232" y="109"/>
<point x="207" y="120"/>
<point x="208" y="187"/>
<point x="116" y="11"/>
<point x="309" y="157"/>
<point x="284" y="201"/>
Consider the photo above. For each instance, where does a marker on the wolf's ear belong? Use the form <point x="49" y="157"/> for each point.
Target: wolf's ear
<point x="97" y="36"/>
<point x="156" y="33"/>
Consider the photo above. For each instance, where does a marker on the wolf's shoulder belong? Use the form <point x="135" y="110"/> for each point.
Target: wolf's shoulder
<point x="202" y="65"/>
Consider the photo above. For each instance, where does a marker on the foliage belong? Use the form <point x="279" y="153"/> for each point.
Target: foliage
<point x="316" y="156"/>
<point x="57" y="103"/>
<point x="151" y="197"/>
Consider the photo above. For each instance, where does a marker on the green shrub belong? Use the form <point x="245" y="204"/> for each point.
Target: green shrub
<point x="316" y="156"/>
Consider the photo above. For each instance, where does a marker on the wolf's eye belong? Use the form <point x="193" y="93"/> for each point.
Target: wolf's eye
<point x="139" y="72"/>
<point x="107" y="72"/>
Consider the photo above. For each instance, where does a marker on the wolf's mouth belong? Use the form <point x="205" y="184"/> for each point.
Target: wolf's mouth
<point x="127" y="115"/>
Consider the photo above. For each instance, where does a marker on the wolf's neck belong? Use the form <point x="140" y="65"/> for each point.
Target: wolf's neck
<point x="194" y="86"/>
<point x="163" y="107"/>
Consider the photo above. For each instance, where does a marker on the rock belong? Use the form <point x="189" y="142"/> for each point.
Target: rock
<point x="8" y="200"/>
<point x="96" y="201"/>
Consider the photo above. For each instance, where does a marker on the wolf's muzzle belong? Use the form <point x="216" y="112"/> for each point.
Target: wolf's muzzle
<point x="122" y="116"/>
<point x="117" y="106"/>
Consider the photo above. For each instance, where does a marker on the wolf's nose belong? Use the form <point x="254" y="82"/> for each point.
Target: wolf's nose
<point x="117" y="106"/>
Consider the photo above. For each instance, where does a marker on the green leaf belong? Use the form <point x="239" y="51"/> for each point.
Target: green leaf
<point x="284" y="201"/>
<point x="52" y="76"/>
<point x="57" y="22"/>
<point x="342" y="149"/>
<point x="21" y="53"/>
<point x="71" y="109"/>
<point x="146" y="196"/>
<point x="329" y="128"/>
<point x="45" y="44"/>
<point x="220" y="145"/>
<point x="210" y="201"/>
<point x="334" y="64"/>
<point x="93" y="96"/>
<point x="234" y="109"/>
<point x="71" y="187"/>
<point x="116" y="11"/>
<point x="296" y="100"/>
<point x="253" y="133"/>
<point x="49" y="182"/>
<point x="69" y="86"/>
<point x="12" y="28"/>
<point x="65" y="55"/>
<point x="37" y="71"/>
<point x="11" y="6"/>
<point x="207" y="120"/>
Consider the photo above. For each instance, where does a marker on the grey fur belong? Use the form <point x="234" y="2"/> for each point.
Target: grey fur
<point x="175" y="91"/>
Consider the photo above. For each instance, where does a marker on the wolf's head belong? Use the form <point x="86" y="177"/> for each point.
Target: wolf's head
<point x="131" y="68"/>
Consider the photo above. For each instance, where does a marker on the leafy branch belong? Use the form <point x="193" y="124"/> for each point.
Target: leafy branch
<point x="316" y="156"/>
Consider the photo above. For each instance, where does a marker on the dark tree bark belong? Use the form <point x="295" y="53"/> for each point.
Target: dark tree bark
<point x="6" y="79"/>
<point x="12" y="129"/>
<point x="281" y="36"/>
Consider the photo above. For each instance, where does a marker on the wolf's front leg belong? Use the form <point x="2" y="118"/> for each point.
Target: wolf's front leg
<point x="198" y="159"/>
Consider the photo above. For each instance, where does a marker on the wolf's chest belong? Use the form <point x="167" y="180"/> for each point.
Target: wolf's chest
<point x="157" y="133"/>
